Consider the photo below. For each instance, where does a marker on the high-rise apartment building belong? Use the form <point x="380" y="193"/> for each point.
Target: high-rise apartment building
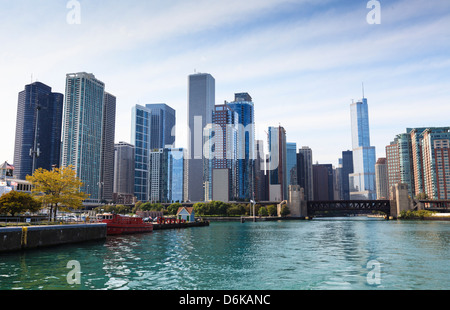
<point x="201" y="101"/>
<point x="124" y="169"/>
<point x="38" y="129"/>
<point x="362" y="180"/>
<point x="244" y="107"/>
<point x="381" y="176"/>
<point x="107" y="156"/>
<point x="82" y="130"/>
<point x="393" y="165"/>
<point x="418" y="158"/>
<point x="436" y="163"/>
<point x="305" y="172"/>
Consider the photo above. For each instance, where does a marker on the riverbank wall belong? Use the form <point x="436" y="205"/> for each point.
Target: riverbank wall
<point x="31" y="237"/>
<point x="180" y="225"/>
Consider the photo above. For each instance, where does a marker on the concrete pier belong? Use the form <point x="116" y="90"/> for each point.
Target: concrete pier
<point x="29" y="237"/>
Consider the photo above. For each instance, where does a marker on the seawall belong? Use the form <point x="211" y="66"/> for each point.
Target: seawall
<point x="30" y="237"/>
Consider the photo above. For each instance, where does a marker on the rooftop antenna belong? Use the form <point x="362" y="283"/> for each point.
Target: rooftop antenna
<point x="363" y="89"/>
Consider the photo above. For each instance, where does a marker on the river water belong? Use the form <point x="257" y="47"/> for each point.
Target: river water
<point x="354" y="253"/>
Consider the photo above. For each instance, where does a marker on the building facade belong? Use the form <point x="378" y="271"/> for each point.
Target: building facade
<point x="305" y="172"/>
<point x="38" y="129"/>
<point x="124" y="168"/>
<point x="381" y="176"/>
<point x="201" y="101"/>
<point x="244" y="107"/>
<point x="107" y="156"/>
<point x="82" y="130"/>
<point x="362" y="180"/>
<point x="277" y="165"/>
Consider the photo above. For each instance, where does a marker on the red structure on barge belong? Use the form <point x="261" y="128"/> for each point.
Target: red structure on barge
<point x="119" y="224"/>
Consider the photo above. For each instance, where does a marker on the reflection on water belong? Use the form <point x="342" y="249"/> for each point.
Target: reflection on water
<point x="318" y="254"/>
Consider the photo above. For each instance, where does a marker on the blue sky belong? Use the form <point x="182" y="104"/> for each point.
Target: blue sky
<point x="302" y="61"/>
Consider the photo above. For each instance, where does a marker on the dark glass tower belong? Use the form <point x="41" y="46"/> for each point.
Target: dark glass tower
<point x="243" y="106"/>
<point x="38" y="129"/>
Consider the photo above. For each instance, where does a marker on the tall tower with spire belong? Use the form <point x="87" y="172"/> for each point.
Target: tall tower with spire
<point x="362" y="180"/>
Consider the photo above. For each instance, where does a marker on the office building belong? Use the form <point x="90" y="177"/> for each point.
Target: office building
<point x="291" y="162"/>
<point x="201" y="101"/>
<point x="362" y="180"/>
<point x="347" y="169"/>
<point x="82" y="130"/>
<point x="305" y="172"/>
<point x="224" y="153"/>
<point x="152" y="127"/>
<point x="38" y="129"/>
<point x="278" y="179"/>
<point x="166" y="170"/>
<point x="323" y="180"/>
<point x="244" y="107"/>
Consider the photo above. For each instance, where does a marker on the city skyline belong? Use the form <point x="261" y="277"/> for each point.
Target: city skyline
<point x="302" y="63"/>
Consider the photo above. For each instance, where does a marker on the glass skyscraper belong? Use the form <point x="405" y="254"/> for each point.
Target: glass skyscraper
<point x="38" y="129"/>
<point x="362" y="180"/>
<point x="278" y="180"/>
<point x="166" y="182"/>
<point x="291" y="163"/>
<point x="151" y="128"/>
<point x="244" y="107"/>
<point x="82" y="130"/>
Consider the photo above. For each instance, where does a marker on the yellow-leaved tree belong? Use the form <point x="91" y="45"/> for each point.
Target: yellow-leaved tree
<point x="58" y="188"/>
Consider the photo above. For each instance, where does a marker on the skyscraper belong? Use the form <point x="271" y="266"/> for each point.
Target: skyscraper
<point x="244" y="107"/>
<point x="166" y="182"/>
<point x="124" y="168"/>
<point x="162" y="125"/>
<point x="277" y="166"/>
<point x="225" y="147"/>
<point x="291" y="163"/>
<point x="323" y="180"/>
<point x="201" y="100"/>
<point x="305" y="172"/>
<point x="381" y="176"/>
<point x="82" y="130"/>
<point x="152" y="127"/>
<point x="362" y="180"/>
<point x="38" y="129"/>
<point x="347" y="169"/>
<point x="107" y="158"/>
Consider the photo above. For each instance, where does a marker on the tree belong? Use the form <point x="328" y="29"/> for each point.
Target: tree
<point x="58" y="188"/>
<point x="263" y="211"/>
<point x="285" y="211"/>
<point x="173" y="208"/>
<point x="272" y="210"/>
<point x="18" y="202"/>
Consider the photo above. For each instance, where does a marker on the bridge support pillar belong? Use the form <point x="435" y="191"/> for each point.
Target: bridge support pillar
<point x="297" y="203"/>
<point x="400" y="199"/>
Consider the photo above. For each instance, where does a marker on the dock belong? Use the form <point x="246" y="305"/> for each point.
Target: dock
<point x="180" y="225"/>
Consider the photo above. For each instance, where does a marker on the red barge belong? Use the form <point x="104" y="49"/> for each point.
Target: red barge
<point x="118" y="224"/>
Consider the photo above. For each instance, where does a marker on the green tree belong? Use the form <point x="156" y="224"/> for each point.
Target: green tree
<point x="18" y="202"/>
<point x="263" y="211"/>
<point x="58" y="188"/>
<point x="272" y="210"/>
<point x="285" y="211"/>
<point x="173" y="208"/>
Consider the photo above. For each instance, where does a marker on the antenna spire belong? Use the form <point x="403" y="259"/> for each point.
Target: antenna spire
<point x="363" y="89"/>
